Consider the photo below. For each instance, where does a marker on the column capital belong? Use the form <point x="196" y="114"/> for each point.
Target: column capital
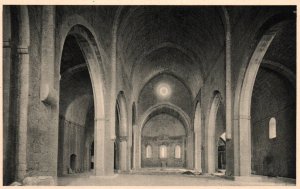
<point x="248" y="117"/>
<point x="22" y="50"/>
<point x="123" y="138"/>
<point x="101" y="119"/>
<point x="6" y="44"/>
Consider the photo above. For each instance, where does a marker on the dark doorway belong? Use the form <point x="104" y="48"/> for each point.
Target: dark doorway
<point x="221" y="154"/>
<point x="73" y="162"/>
<point x="92" y="156"/>
<point x="116" y="156"/>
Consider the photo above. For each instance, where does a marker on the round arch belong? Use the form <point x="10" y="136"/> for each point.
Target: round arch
<point x="173" y="110"/>
<point x="243" y="94"/>
<point x="155" y="75"/>
<point x="163" y="107"/>
<point x="93" y="57"/>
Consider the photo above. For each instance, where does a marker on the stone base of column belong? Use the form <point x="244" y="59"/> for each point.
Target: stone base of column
<point x="40" y="181"/>
<point x="198" y="171"/>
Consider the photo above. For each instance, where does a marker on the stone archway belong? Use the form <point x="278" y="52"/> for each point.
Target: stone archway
<point x="243" y="94"/>
<point x="179" y="114"/>
<point x="198" y="138"/>
<point x="89" y="47"/>
<point x="211" y="134"/>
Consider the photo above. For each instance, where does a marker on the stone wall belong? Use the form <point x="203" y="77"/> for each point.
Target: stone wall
<point x="163" y="129"/>
<point x="170" y="161"/>
<point x="273" y="96"/>
<point x="149" y="95"/>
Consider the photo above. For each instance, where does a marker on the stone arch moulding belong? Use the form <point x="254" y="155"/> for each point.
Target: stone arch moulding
<point x="122" y="110"/>
<point x="245" y="104"/>
<point x="281" y="69"/>
<point x="93" y="57"/>
<point x="183" y="117"/>
<point x="243" y="94"/>
<point x="151" y="77"/>
<point x="211" y="129"/>
<point x="171" y="45"/>
<point x="198" y="141"/>
<point x="123" y="130"/>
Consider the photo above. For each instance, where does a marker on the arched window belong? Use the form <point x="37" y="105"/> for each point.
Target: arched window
<point x="272" y="128"/>
<point x="163" y="151"/>
<point x="148" y="151"/>
<point x="177" y="152"/>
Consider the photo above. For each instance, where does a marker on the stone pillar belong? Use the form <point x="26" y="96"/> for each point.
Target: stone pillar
<point x="123" y="153"/>
<point x="228" y="77"/>
<point x="245" y="145"/>
<point x="113" y="82"/>
<point x="211" y="147"/>
<point x="138" y="141"/>
<point x="47" y="91"/>
<point x="86" y="157"/>
<point x="190" y="150"/>
<point x="134" y="145"/>
<point x="22" y="93"/>
<point x="99" y="146"/>
<point x="229" y="158"/>
<point x="23" y="90"/>
<point x="198" y="153"/>
<point x="7" y="135"/>
<point x="236" y="139"/>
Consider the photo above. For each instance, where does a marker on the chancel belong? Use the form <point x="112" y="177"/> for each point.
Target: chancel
<point x="149" y="95"/>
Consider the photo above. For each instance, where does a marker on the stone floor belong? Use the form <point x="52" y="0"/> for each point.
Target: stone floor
<point x="169" y="179"/>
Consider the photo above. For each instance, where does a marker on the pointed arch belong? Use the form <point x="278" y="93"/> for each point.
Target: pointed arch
<point x="211" y="129"/>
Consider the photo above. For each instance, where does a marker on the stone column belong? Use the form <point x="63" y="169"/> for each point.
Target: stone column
<point x="123" y="153"/>
<point x="22" y="112"/>
<point x="245" y="145"/>
<point x="211" y="147"/>
<point x="190" y="150"/>
<point x="134" y="145"/>
<point x="113" y="82"/>
<point x="7" y="135"/>
<point x="138" y="141"/>
<point x="99" y="146"/>
<point x="228" y="76"/>
<point x="198" y="154"/>
<point x="22" y="93"/>
<point x="47" y="91"/>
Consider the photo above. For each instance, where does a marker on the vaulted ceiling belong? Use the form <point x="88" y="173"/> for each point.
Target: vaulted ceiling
<point x="177" y="40"/>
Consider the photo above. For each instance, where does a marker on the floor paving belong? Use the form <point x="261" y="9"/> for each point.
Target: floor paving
<point x="166" y="179"/>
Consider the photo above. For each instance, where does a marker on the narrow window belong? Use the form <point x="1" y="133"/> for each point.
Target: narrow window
<point x="148" y="151"/>
<point x="177" y="152"/>
<point x="272" y="128"/>
<point x="163" y="151"/>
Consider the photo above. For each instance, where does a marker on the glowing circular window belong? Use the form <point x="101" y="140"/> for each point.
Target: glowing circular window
<point x="163" y="90"/>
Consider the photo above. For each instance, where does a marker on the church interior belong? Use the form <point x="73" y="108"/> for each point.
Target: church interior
<point x="104" y="91"/>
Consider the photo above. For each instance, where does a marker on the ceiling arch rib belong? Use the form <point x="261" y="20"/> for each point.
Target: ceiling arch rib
<point x="162" y="62"/>
<point x="188" y="29"/>
<point x="181" y="49"/>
